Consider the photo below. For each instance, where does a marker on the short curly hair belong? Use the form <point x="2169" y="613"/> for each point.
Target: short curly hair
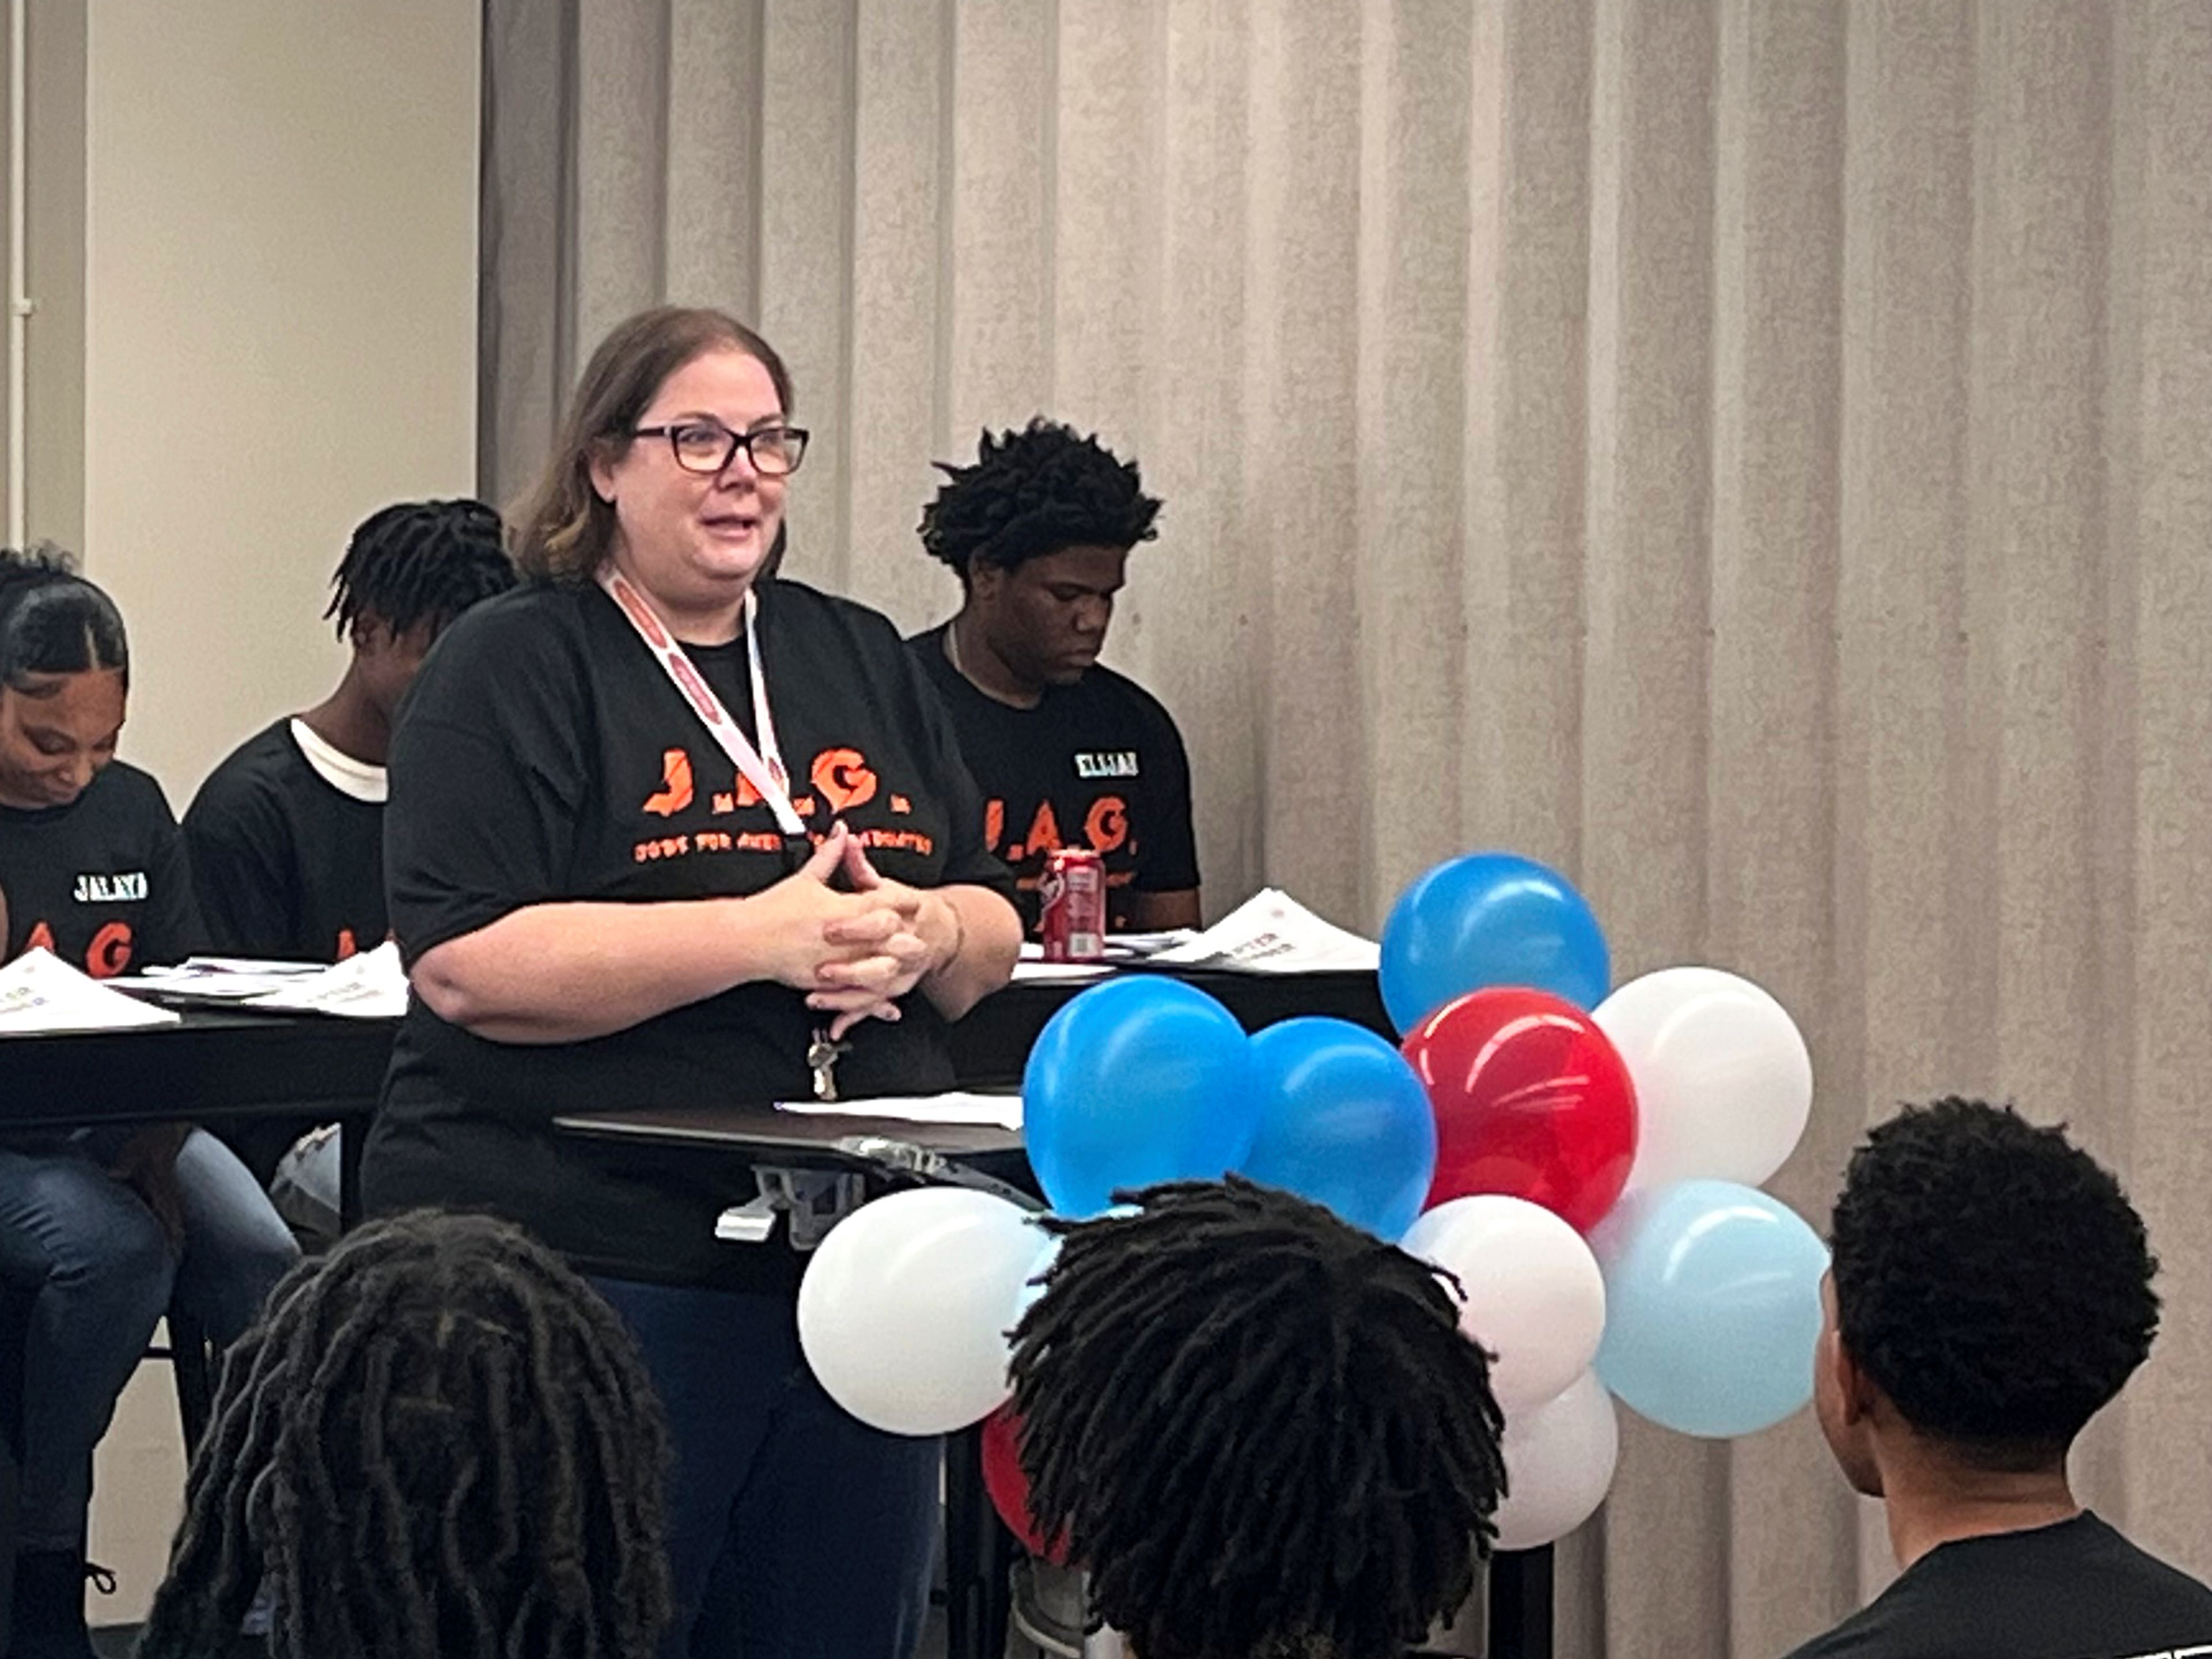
<point x="1991" y="1278"/>
<point x="1035" y="492"/>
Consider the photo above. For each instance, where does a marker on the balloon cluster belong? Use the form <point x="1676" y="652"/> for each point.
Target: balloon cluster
<point x="1585" y="1165"/>
<point x="1599" y="1157"/>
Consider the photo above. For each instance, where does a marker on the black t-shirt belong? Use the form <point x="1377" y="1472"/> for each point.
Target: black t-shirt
<point x="101" y="882"/>
<point x="1098" y="764"/>
<point x="541" y="754"/>
<point x="286" y="864"/>
<point x="2074" y="1591"/>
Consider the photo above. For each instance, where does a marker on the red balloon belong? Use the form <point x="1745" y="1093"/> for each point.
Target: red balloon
<point x="1009" y="1487"/>
<point x="1532" y="1100"/>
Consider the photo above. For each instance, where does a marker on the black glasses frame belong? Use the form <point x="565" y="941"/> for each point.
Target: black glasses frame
<point x="795" y="436"/>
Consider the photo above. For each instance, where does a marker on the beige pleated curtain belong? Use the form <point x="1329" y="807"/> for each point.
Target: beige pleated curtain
<point x="1755" y="454"/>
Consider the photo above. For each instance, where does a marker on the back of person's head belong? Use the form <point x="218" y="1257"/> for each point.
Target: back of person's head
<point x="1032" y="492"/>
<point x="565" y="531"/>
<point x="418" y="565"/>
<point x="1259" y="1430"/>
<point x="437" y="1441"/>
<point x="1992" y="1279"/>
<point x="52" y="621"/>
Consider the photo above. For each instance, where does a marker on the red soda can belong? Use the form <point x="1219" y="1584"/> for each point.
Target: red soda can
<point x="1074" y="897"/>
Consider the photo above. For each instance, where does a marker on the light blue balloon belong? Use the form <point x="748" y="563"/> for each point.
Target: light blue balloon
<point x="1344" y="1121"/>
<point x="1138" y="1080"/>
<point x="1490" y="919"/>
<point x="1712" y="1307"/>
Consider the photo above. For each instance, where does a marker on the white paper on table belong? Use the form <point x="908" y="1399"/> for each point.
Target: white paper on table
<point x="217" y="979"/>
<point x="1272" y="932"/>
<point x="1121" y="950"/>
<point x="40" y="992"/>
<point x="1036" y="971"/>
<point x="370" y="985"/>
<point x="956" y="1107"/>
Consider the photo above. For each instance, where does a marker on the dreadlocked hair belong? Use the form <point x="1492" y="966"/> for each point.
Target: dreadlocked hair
<point x="420" y="562"/>
<point x="1035" y="492"/>
<point x="436" y="1443"/>
<point x="1260" y="1430"/>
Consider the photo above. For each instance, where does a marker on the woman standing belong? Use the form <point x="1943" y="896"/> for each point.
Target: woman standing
<point x="101" y="1230"/>
<point x="664" y="829"/>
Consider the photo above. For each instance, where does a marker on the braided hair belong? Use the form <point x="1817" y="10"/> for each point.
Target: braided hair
<point x="52" y="621"/>
<point x="1035" y="492"/>
<point x="420" y="562"/>
<point x="436" y="1443"/>
<point x="1259" y="1428"/>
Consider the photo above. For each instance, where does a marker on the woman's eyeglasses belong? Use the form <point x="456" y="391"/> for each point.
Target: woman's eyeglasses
<point x="708" y="446"/>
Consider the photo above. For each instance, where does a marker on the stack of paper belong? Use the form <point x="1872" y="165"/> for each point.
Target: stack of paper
<point x="40" y="992"/>
<point x="978" y="1110"/>
<point x="216" y="979"/>
<point x="1272" y="932"/>
<point x="371" y="985"/>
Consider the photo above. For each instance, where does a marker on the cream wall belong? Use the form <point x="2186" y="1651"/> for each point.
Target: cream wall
<point x="280" y="322"/>
<point x="279" y="311"/>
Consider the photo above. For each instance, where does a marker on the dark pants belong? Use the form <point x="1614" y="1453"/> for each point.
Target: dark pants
<point x="817" y="1532"/>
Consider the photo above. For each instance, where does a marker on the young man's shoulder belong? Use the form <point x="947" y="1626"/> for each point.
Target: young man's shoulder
<point x="2075" y="1591"/>
<point x="1107" y="687"/>
<point x="262" y="762"/>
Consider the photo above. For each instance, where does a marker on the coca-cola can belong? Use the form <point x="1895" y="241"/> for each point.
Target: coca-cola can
<point x="1073" y="896"/>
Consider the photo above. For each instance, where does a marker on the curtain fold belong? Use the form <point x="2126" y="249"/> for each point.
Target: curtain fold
<point x="1752" y="453"/>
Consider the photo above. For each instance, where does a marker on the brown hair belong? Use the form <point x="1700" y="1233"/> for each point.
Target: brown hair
<point x="561" y="530"/>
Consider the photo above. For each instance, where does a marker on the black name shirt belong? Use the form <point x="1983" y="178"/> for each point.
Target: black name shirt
<point x="1097" y="764"/>
<point x="286" y="864"/>
<point x="102" y="883"/>
<point x="2074" y="1591"/>
<point x="544" y="755"/>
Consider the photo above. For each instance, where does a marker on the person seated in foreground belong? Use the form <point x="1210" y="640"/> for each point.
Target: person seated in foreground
<point x="1991" y="1292"/>
<point x="1259" y="1430"/>
<point x="1067" y="753"/>
<point x="438" y="1442"/>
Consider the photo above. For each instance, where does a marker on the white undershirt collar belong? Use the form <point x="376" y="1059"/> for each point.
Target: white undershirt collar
<point x="356" y="778"/>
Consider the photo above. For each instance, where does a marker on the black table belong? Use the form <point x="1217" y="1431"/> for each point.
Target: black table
<point x="212" y="1064"/>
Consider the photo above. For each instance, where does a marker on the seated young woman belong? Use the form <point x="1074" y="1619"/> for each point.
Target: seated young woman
<point x="101" y="1229"/>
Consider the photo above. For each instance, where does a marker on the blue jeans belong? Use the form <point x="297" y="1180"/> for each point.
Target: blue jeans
<point x="819" y="1530"/>
<point x="97" y="1272"/>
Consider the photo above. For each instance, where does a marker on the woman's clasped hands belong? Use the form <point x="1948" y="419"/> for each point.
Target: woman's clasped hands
<point x="853" y="953"/>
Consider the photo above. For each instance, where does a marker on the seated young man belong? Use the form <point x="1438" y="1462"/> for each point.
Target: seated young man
<point x="286" y="836"/>
<point x="1259" y="1430"/>
<point x="438" y="1440"/>
<point x="1991" y="1292"/>
<point x="1067" y="753"/>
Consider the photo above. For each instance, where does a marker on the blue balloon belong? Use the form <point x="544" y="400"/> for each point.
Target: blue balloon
<point x="1490" y="919"/>
<point x="1712" y="1307"/>
<point x="1137" y="1081"/>
<point x="1344" y="1121"/>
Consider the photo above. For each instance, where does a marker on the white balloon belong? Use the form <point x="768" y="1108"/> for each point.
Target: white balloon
<point x="1723" y="1080"/>
<point x="1559" y="1459"/>
<point x="904" y="1309"/>
<point x="1534" y="1296"/>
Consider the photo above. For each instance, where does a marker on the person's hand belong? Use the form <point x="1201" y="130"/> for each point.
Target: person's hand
<point x="910" y="938"/>
<point x="789" y="931"/>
